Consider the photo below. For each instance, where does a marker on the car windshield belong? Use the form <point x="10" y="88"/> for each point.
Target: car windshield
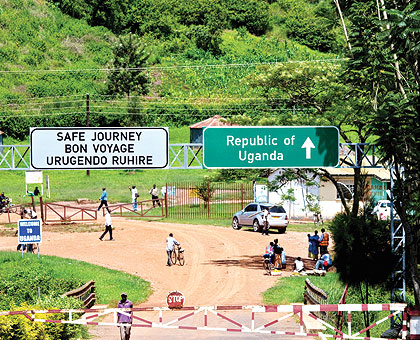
<point x="277" y="209"/>
<point x="384" y="205"/>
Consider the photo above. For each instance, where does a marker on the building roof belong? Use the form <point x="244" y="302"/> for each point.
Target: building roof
<point x="381" y="174"/>
<point x="213" y="121"/>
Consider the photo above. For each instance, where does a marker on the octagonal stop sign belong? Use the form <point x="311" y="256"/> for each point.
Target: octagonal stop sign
<point x="175" y="299"/>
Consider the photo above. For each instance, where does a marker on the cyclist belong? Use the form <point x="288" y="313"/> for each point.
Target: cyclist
<point x="170" y="243"/>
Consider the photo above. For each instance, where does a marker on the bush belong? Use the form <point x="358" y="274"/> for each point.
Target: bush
<point x="18" y="327"/>
<point x="20" y="284"/>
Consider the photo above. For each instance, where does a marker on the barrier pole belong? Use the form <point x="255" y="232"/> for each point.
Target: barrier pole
<point x="41" y="204"/>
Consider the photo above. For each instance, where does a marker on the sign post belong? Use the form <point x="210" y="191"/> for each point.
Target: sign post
<point x="30" y="232"/>
<point x="99" y="148"/>
<point x="271" y="147"/>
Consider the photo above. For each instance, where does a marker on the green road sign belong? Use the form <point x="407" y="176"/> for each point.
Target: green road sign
<point x="271" y="147"/>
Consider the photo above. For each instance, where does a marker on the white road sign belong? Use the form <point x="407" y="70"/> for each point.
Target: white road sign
<point x="99" y="148"/>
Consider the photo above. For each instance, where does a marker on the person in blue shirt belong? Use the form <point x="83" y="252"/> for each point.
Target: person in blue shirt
<point x="104" y="200"/>
<point x="324" y="262"/>
<point x="313" y="245"/>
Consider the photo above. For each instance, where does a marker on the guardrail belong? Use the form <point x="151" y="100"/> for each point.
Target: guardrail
<point x="86" y="293"/>
<point x="315" y="296"/>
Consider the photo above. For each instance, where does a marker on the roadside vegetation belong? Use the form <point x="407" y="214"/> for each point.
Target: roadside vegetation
<point x="31" y="283"/>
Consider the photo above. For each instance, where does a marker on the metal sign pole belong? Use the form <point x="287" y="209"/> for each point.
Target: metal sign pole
<point x="37" y="247"/>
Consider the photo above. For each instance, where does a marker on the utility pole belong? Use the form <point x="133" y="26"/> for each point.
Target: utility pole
<point x="87" y="122"/>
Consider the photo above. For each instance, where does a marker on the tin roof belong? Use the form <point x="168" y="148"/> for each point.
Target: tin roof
<point x="213" y="121"/>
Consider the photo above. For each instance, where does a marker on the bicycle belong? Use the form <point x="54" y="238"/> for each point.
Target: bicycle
<point x="268" y="266"/>
<point x="178" y="255"/>
<point x="318" y="219"/>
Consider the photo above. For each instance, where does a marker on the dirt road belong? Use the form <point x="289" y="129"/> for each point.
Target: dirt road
<point x="223" y="266"/>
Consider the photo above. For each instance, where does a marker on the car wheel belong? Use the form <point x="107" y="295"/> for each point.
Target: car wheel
<point x="282" y="230"/>
<point x="256" y="225"/>
<point x="235" y="224"/>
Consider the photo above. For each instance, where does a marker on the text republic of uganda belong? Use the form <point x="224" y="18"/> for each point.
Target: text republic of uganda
<point x="250" y="157"/>
<point x="103" y="149"/>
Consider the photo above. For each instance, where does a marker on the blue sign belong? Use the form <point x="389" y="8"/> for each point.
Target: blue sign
<point x="29" y="231"/>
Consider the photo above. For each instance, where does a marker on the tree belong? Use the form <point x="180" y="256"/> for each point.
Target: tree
<point x="128" y="75"/>
<point x="384" y="64"/>
<point x="205" y="191"/>
<point x="363" y="255"/>
<point x="318" y="90"/>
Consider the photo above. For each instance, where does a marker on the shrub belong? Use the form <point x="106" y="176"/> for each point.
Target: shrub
<point x="18" y="327"/>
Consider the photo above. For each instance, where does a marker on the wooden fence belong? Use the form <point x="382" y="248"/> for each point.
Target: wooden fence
<point x="86" y="293"/>
<point x="315" y="296"/>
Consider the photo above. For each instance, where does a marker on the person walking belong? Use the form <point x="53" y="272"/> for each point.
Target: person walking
<point x="104" y="200"/>
<point x="170" y="244"/>
<point x="155" y="195"/>
<point x="266" y="226"/>
<point x="324" y="241"/>
<point x="108" y="227"/>
<point x="313" y="245"/>
<point x="125" y="318"/>
<point x="134" y="195"/>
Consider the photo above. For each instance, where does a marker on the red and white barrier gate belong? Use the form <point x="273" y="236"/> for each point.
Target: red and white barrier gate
<point x="253" y="326"/>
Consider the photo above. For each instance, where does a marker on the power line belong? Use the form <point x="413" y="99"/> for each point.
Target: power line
<point x="140" y="69"/>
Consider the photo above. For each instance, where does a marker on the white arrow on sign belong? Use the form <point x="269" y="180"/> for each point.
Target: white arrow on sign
<point x="308" y="145"/>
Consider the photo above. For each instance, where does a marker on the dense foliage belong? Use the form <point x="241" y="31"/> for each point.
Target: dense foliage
<point x="23" y="283"/>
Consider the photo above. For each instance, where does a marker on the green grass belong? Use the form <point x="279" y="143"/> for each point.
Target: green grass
<point x="290" y="290"/>
<point x="109" y="283"/>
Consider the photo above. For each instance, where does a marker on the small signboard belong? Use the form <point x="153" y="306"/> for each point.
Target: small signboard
<point x="99" y="148"/>
<point x="261" y="193"/>
<point x="175" y="299"/>
<point x="29" y="231"/>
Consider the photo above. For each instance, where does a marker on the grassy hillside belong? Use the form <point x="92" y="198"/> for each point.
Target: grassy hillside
<point x="36" y="37"/>
<point x="187" y="81"/>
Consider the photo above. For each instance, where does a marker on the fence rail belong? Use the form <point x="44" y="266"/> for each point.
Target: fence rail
<point x="85" y="293"/>
<point x="144" y="209"/>
<point x="221" y="318"/>
<point x="315" y="296"/>
<point x="65" y="213"/>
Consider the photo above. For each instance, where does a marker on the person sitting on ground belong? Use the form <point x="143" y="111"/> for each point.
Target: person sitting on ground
<point x="31" y="213"/>
<point x="324" y="262"/>
<point x="283" y="258"/>
<point x="299" y="267"/>
<point x="269" y="252"/>
<point x="277" y="254"/>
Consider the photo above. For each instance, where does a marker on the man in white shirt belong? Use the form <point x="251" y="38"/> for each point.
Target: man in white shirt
<point x="299" y="267"/>
<point x="155" y="195"/>
<point x="108" y="227"/>
<point x="134" y="195"/>
<point x="170" y="244"/>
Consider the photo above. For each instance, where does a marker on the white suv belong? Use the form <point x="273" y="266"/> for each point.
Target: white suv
<point x="382" y="210"/>
<point x="251" y="216"/>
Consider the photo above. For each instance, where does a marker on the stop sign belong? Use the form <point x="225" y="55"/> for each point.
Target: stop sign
<point x="175" y="299"/>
